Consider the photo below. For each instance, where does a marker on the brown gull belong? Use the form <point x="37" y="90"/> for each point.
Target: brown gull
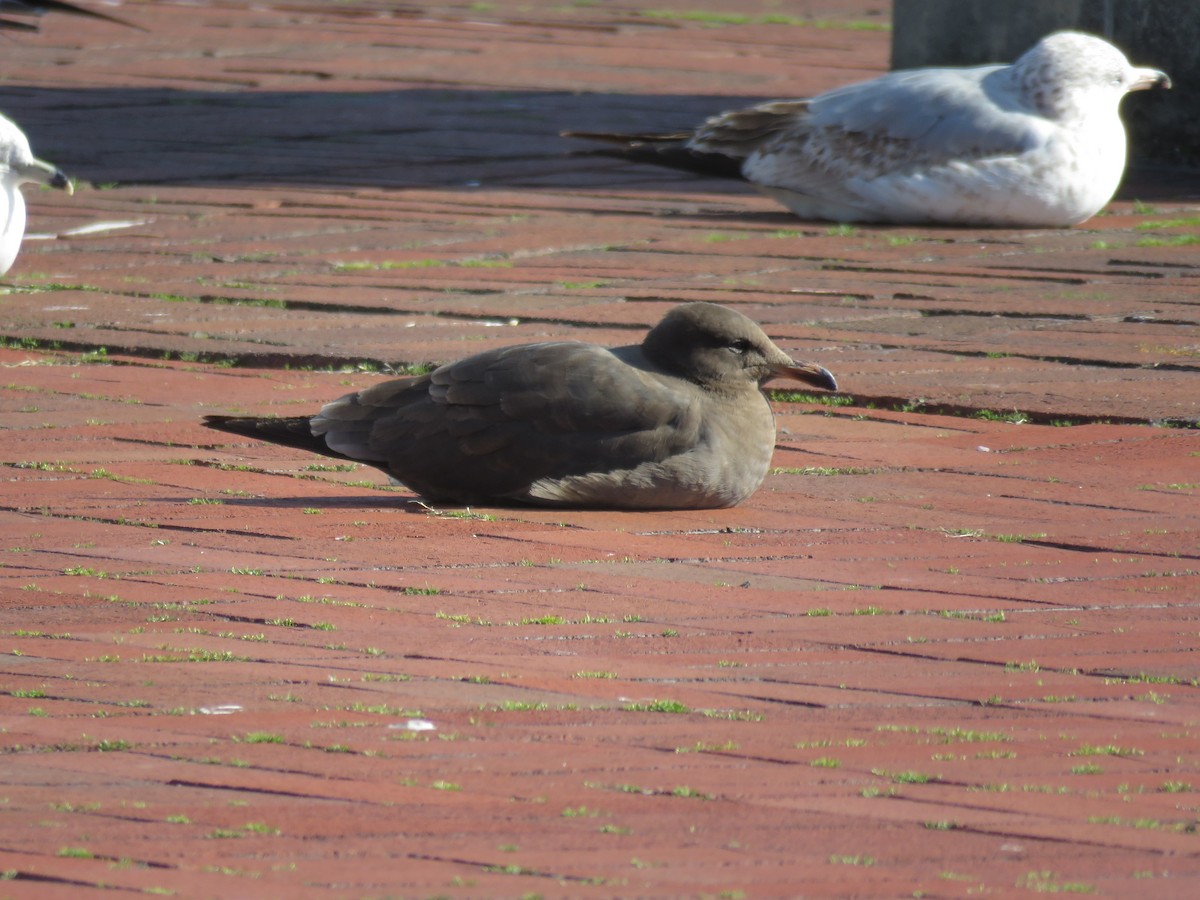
<point x="676" y="422"/>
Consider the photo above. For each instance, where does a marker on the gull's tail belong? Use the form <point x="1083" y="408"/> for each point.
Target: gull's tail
<point x="668" y="150"/>
<point x="288" y="432"/>
<point x="41" y="7"/>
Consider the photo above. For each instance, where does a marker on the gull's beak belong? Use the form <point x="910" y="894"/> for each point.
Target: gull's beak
<point x="1145" y="79"/>
<point x="42" y="172"/>
<point x="809" y="373"/>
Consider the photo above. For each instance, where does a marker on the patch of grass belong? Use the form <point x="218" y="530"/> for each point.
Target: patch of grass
<point x="872" y="792"/>
<point x="732" y="715"/>
<point x="714" y="19"/>
<point x="1175" y="240"/>
<point x="1106" y="750"/>
<point x="1152" y="225"/>
<point x="906" y="777"/>
<point x="260" y="737"/>
<point x="485" y="263"/>
<point x="665" y="706"/>
<point x="520" y="706"/>
<point x="384" y="709"/>
<point x="578" y="812"/>
<point x="400" y="264"/>
<point x="1015" y="417"/>
<point x="824" y="470"/>
<point x="111" y="745"/>
<point x="855" y="860"/>
<point x="705" y="747"/>
<point x="1031" y="666"/>
<point x="466" y="513"/>
<point x="192" y="655"/>
<point x="1017" y="538"/>
<point x="85" y="570"/>
<point x="814" y="399"/>
<point x="388" y="265"/>
<point x="1049" y="883"/>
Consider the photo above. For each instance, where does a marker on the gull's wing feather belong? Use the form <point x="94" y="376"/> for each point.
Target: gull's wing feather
<point x="924" y="117"/>
<point x="571" y="410"/>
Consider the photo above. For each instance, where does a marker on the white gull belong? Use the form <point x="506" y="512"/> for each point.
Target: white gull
<point x="1036" y="143"/>
<point x="18" y="166"/>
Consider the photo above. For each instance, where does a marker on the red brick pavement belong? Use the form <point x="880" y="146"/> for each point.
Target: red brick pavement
<point x="948" y="649"/>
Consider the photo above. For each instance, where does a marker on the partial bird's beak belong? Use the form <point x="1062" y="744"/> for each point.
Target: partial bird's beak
<point x="1150" y="78"/>
<point x="809" y="373"/>
<point x="41" y="172"/>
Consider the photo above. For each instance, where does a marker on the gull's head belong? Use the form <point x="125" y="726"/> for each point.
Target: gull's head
<point x="1069" y="75"/>
<point x="19" y="166"/>
<point x="723" y="351"/>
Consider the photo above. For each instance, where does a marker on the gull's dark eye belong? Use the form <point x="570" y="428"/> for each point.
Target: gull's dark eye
<point x="739" y="346"/>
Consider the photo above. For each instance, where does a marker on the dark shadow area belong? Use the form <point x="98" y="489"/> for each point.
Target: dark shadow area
<point x="418" y="138"/>
<point x="423" y="138"/>
<point x="404" y="502"/>
<point x="411" y="503"/>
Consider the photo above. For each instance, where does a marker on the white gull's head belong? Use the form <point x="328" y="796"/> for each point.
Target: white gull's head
<point x="19" y="166"/>
<point x="1068" y="76"/>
